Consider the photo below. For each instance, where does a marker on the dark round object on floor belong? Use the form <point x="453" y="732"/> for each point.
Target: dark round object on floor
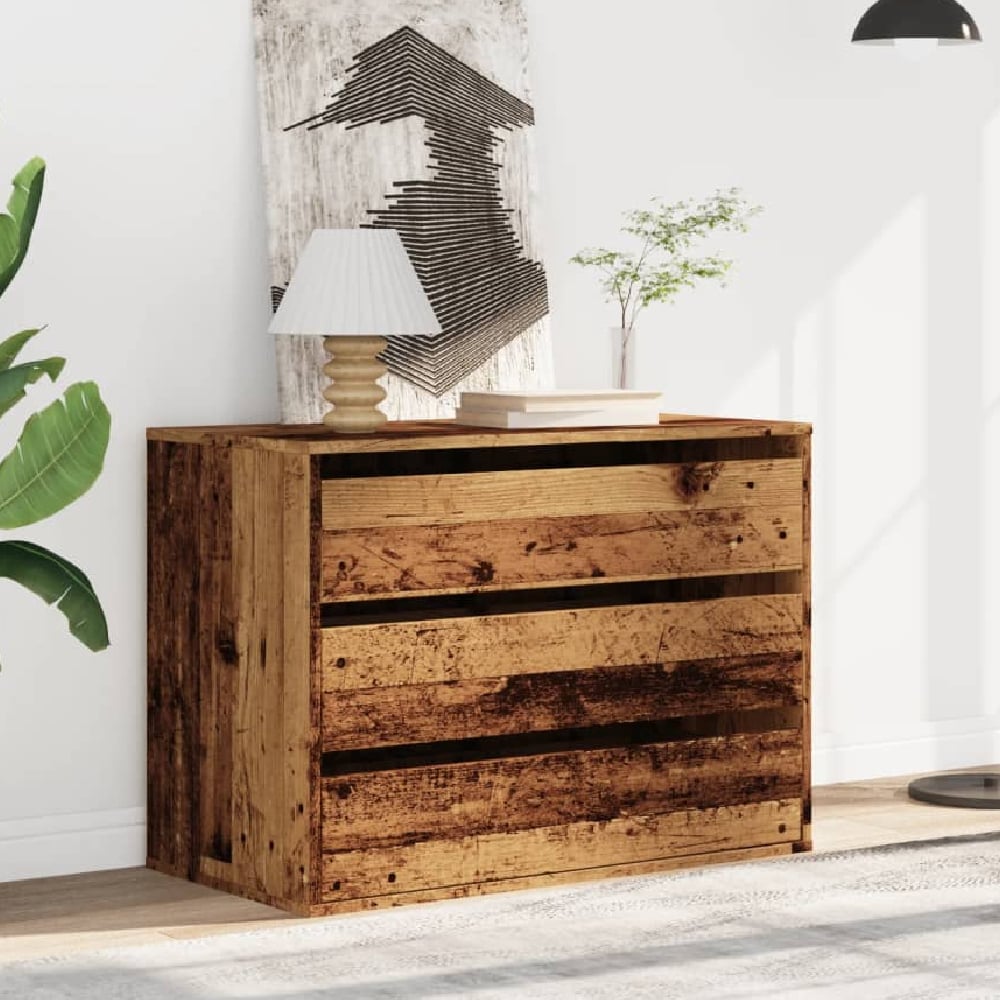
<point x="968" y="791"/>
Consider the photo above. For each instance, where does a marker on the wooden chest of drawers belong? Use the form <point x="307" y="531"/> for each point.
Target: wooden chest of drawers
<point x="442" y="661"/>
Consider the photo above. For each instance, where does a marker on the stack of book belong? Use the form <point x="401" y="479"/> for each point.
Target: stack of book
<point x="559" y="408"/>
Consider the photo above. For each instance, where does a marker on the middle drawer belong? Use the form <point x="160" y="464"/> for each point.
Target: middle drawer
<point x="396" y="683"/>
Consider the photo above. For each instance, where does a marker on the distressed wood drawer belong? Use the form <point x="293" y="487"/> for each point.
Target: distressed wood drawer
<point x="418" y="828"/>
<point x="494" y="706"/>
<point x="417" y="501"/>
<point x="494" y="530"/>
<point x="437" y="661"/>
<point x="441" y="679"/>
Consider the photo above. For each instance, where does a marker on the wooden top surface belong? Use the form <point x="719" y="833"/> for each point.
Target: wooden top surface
<point x="422" y="435"/>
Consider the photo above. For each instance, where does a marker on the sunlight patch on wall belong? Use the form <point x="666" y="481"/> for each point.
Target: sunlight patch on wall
<point x="758" y="390"/>
<point x="872" y="370"/>
<point x="807" y="364"/>
<point x="990" y="572"/>
<point x="990" y="455"/>
<point x="807" y="399"/>
<point x="878" y="385"/>
<point x="876" y="614"/>
<point x="990" y="220"/>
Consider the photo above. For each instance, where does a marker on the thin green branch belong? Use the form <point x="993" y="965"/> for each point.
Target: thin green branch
<point x="665" y="265"/>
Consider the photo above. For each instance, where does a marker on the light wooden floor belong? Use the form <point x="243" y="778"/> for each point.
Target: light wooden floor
<point x="134" y="906"/>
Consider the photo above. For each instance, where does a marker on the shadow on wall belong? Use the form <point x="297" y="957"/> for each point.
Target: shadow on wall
<point x="894" y="358"/>
<point x="884" y="346"/>
<point x="862" y="300"/>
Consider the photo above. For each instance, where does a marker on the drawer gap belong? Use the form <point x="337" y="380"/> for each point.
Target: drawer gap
<point x="415" y="755"/>
<point x="461" y="461"/>
<point x="528" y="600"/>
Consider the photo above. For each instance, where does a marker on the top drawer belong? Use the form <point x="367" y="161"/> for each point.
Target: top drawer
<point x="448" y="533"/>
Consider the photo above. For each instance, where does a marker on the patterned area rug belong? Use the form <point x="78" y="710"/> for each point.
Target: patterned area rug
<point x="917" y="921"/>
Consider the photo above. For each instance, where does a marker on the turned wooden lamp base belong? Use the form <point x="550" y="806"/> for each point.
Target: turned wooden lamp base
<point x="353" y="369"/>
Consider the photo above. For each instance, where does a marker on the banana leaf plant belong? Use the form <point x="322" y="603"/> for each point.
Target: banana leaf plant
<point x="60" y="451"/>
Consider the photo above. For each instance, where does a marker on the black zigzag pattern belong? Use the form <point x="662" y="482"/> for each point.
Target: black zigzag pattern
<point x="482" y="286"/>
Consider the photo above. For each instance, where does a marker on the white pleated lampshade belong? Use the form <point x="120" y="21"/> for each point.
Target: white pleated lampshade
<point x="352" y="282"/>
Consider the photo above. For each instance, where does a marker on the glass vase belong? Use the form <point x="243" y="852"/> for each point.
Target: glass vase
<point x="622" y="358"/>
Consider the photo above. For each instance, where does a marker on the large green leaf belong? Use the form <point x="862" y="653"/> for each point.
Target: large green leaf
<point x="11" y="347"/>
<point x="16" y="226"/>
<point x="14" y="381"/>
<point x="57" y="457"/>
<point x="58" y="582"/>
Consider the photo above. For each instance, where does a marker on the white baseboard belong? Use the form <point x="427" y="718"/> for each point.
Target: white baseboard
<point x="66" y="845"/>
<point x="832" y="765"/>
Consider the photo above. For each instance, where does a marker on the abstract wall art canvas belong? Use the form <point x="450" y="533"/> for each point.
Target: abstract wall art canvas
<point x="413" y="115"/>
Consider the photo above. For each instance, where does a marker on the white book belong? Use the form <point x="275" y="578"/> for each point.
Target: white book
<point x="634" y="416"/>
<point x="559" y="400"/>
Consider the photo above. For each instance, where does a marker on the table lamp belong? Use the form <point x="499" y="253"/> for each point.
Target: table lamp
<point x="355" y="287"/>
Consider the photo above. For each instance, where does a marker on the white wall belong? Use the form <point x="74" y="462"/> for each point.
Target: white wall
<point x="867" y="300"/>
<point x="149" y="265"/>
<point x="864" y="301"/>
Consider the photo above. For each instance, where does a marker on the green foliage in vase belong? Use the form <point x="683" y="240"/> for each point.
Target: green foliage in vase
<point x="60" y="450"/>
<point x="665" y="261"/>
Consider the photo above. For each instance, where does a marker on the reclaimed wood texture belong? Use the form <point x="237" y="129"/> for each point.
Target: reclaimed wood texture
<point x="488" y="531"/>
<point x="376" y="501"/>
<point x="495" y="706"/>
<point x="447" y="559"/>
<point x="191" y="657"/>
<point x="551" y="879"/>
<point x="447" y="802"/>
<point x="446" y="649"/>
<point x="233" y="700"/>
<point x="440" y="661"/>
<point x="805" y="844"/>
<point x="577" y="846"/>
<point x="425" y="435"/>
<point x="275" y="736"/>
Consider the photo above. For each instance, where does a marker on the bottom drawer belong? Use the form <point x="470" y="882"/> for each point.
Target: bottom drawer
<point x="415" y="828"/>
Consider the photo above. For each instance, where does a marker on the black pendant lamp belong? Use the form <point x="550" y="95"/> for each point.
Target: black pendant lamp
<point x="944" y="21"/>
